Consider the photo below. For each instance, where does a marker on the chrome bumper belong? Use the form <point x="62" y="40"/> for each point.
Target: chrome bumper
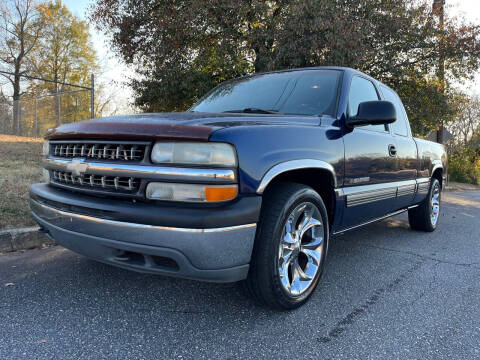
<point x="218" y="255"/>
<point x="153" y="172"/>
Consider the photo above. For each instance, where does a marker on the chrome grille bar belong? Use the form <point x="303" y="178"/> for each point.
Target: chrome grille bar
<point x="119" y="184"/>
<point x="92" y="150"/>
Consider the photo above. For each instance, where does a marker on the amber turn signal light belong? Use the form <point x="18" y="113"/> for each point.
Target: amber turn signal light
<point x="220" y="193"/>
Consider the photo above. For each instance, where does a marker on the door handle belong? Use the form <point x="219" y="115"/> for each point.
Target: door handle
<point x="392" y="150"/>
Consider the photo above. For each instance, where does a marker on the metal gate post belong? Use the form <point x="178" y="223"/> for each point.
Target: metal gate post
<point x="36" y="120"/>
<point x="92" y="96"/>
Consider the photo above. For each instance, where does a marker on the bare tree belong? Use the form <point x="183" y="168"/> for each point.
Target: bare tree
<point x="19" y="32"/>
<point x="467" y="122"/>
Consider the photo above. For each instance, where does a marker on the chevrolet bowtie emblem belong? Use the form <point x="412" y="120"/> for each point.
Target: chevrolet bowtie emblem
<point x="77" y="167"/>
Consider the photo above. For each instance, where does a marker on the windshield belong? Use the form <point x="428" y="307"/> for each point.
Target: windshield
<point x="312" y="92"/>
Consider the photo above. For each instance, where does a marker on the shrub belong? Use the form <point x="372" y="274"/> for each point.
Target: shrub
<point x="464" y="166"/>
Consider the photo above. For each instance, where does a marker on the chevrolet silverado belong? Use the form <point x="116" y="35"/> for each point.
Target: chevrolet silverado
<point x="248" y="185"/>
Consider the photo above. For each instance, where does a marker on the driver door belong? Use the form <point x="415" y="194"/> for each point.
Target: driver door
<point x="369" y="163"/>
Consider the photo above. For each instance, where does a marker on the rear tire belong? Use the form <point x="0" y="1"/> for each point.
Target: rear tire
<point x="425" y="217"/>
<point x="290" y="246"/>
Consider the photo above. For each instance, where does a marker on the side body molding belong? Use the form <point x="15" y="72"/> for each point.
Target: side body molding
<point x="295" y="165"/>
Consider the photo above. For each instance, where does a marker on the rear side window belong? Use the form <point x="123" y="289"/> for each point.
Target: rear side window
<point x="400" y="126"/>
<point x="362" y="90"/>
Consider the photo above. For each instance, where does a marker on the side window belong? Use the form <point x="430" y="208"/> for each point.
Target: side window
<point x="362" y="90"/>
<point x="400" y="126"/>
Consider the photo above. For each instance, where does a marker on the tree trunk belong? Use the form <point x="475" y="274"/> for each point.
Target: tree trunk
<point x="16" y="103"/>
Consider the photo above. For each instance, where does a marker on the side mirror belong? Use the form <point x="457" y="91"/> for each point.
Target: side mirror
<point x="373" y="113"/>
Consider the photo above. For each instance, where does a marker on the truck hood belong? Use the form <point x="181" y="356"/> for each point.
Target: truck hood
<point x="172" y="126"/>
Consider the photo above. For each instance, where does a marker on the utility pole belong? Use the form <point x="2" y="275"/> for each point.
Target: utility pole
<point x="439" y="10"/>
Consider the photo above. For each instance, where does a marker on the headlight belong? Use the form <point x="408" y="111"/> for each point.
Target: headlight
<point x="191" y="192"/>
<point x="219" y="154"/>
<point x="46" y="149"/>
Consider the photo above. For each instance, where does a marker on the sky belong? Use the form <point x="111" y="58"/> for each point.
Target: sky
<point x="470" y="9"/>
<point x="114" y="71"/>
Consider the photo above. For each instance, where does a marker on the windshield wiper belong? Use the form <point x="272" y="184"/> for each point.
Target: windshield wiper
<point x="253" y="111"/>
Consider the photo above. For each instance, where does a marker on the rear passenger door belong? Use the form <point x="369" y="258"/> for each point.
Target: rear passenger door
<point x="406" y="152"/>
<point x="369" y="167"/>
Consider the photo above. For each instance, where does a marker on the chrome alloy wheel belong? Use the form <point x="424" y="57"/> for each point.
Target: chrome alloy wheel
<point x="435" y="204"/>
<point x="301" y="249"/>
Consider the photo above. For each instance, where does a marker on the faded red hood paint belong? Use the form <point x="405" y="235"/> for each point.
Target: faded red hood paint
<point x="165" y="126"/>
<point x="141" y="127"/>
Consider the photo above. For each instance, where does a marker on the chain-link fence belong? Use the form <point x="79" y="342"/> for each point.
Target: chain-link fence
<point x="32" y="116"/>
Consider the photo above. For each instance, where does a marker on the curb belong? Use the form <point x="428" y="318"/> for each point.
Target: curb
<point x="23" y="239"/>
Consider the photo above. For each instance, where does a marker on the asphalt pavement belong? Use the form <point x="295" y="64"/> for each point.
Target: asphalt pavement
<point x="387" y="293"/>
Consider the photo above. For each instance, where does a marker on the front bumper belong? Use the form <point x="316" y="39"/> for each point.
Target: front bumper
<point x="219" y="254"/>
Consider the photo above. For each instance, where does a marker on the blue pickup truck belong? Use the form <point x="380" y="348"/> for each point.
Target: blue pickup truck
<point x="248" y="185"/>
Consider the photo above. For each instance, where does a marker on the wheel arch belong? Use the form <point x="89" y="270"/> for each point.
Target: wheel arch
<point x="437" y="173"/>
<point x="317" y="174"/>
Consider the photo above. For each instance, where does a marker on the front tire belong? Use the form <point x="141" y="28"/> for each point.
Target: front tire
<point x="425" y="216"/>
<point x="290" y="246"/>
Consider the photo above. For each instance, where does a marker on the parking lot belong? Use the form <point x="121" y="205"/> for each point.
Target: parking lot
<point x="388" y="293"/>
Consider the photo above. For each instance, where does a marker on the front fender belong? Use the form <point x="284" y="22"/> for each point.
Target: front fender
<point x="267" y="151"/>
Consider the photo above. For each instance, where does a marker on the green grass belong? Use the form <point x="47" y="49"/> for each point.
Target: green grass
<point x="20" y="166"/>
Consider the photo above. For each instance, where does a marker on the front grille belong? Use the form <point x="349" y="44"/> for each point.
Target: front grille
<point x="100" y="150"/>
<point x="127" y="185"/>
